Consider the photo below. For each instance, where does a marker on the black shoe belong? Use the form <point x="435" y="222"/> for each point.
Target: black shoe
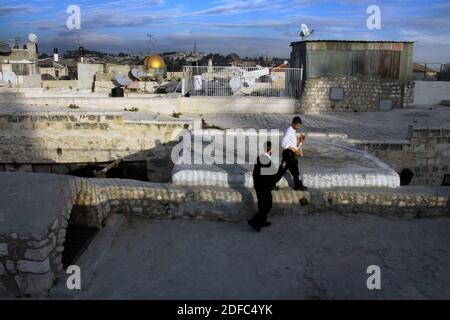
<point x="266" y="224"/>
<point x="300" y="187"/>
<point x="254" y="225"/>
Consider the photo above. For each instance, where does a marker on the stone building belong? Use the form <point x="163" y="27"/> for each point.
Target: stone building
<point x="53" y="69"/>
<point x="354" y="75"/>
<point x="24" y="63"/>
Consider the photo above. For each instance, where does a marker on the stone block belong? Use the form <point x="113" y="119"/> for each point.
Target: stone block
<point x="62" y="233"/>
<point x="33" y="266"/>
<point x="38" y="254"/>
<point x="38" y="244"/>
<point x="3" y="249"/>
<point x="385" y="104"/>
<point x="11" y="267"/>
<point x="34" y="284"/>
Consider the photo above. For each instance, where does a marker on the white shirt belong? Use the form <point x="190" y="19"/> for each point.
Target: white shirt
<point x="289" y="139"/>
<point x="265" y="158"/>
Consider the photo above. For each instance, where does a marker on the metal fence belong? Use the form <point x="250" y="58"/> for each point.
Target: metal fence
<point x="432" y="71"/>
<point x="236" y="81"/>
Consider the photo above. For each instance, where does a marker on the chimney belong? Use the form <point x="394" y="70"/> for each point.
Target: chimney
<point x="81" y="54"/>
<point x="55" y="55"/>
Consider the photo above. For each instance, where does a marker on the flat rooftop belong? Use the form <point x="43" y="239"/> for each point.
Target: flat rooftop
<point x="323" y="256"/>
<point x="352" y="41"/>
<point x="384" y="127"/>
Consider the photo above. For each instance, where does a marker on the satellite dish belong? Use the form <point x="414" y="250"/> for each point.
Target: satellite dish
<point x="305" y="32"/>
<point x="32" y="37"/>
<point x="122" y="80"/>
<point x="249" y="82"/>
<point x="138" y="73"/>
<point x="9" y="77"/>
<point x="5" y="48"/>
<point x="235" y="83"/>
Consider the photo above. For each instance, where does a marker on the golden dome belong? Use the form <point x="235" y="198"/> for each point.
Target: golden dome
<point x="154" y="62"/>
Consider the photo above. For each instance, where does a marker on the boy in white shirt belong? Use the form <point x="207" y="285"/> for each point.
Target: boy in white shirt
<point x="291" y="152"/>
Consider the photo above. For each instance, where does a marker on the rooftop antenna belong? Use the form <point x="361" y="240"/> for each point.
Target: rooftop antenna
<point x="305" y="32"/>
<point x="78" y="38"/>
<point x="150" y="39"/>
<point x="267" y="54"/>
<point x="14" y="42"/>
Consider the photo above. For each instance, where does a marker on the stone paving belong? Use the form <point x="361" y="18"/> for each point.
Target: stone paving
<point x="372" y="126"/>
<point x="389" y="126"/>
<point x="323" y="256"/>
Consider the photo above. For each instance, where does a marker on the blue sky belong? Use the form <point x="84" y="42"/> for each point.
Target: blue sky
<point x="247" y="27"/>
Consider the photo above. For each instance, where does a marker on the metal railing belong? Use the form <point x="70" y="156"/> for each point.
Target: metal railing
<point x="432" y="71"/>
<point x="218" y="81"/>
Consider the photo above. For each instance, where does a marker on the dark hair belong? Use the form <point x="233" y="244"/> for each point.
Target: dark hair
<point x="268" y="145"/>
<point x="297" y="120"/>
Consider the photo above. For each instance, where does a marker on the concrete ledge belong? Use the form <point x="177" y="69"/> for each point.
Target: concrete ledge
<point x="156" y="105"/>
<point x="161" y="104"/>
<point x="204" y="105"/>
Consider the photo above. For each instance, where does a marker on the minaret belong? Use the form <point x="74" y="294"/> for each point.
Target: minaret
<point x="195" y="47"/>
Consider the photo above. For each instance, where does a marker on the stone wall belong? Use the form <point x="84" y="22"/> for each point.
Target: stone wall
<point x="427" y="155"/>
<point x="159" y="200"/>
<point x="76" y="137"/>
<point x="163" y="104"/>
<point x="59" y="84"/>
<point x="258" y="105"/>
<point x="359" y="94"/>
<point x="32" y="235"/>
<point x="431" y="92"/>
<point x="30" y="262"/>
<point x="86" y="73"/>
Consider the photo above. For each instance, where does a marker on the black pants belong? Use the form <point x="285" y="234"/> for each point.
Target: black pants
<point x="292" y="165"/>
<point x="264" y="196"/>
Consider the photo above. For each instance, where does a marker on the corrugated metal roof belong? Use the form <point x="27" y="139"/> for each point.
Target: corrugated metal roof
<point x="354" y="41"/>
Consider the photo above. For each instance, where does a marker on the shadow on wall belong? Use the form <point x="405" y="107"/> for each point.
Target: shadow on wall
<point x="157" y="166"/>
<point x="24" y="147"/>
<point x="406" y="177"/>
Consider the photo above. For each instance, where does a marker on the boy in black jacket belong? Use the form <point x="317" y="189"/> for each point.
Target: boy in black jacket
<point x="264" y="185"/>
